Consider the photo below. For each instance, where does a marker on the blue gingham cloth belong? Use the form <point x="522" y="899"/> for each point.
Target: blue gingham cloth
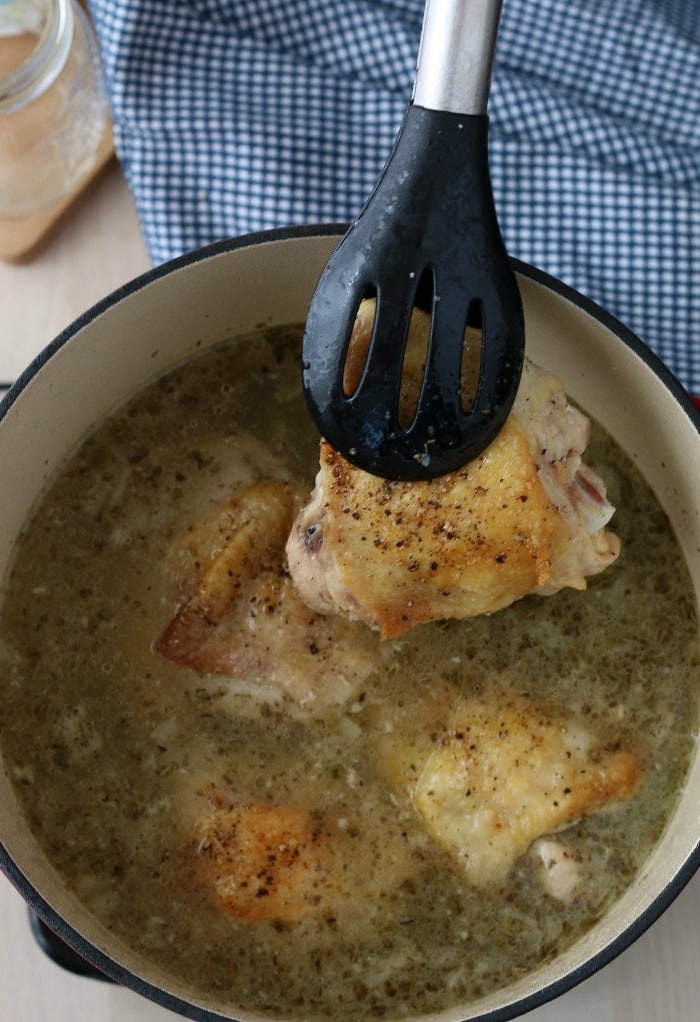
<point x="232" y="116"/>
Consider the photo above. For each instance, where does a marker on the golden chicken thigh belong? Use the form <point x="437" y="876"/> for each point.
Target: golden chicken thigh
<point x="503" y="773"/>
<point x="525" y="516"/>
<point x="239" y="615"/>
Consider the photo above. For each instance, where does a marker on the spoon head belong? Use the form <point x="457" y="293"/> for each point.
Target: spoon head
<point x="431" y="220"/>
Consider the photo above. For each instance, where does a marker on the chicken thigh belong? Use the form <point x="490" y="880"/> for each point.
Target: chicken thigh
<point x="525" y="516"/>
<point x="238" y="614"/>
<point x="504" y="773"/>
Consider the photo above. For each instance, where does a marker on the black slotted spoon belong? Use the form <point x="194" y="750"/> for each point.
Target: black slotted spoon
<point x="431" y="216"/>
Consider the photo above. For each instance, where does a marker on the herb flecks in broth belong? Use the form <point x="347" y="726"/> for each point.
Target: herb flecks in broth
<point x="136" y="771"/>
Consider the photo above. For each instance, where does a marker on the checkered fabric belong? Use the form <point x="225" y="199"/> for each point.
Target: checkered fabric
<point x="232" y="116"/>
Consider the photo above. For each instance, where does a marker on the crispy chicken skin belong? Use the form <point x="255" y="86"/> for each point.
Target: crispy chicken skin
<point x="525" y="516"/>
<point x="502" y="773"/>
<point x="239" y="615"/>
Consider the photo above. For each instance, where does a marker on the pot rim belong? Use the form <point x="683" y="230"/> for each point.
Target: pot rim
<point x="528" y="1001"/>
<point x="577" y="298"/>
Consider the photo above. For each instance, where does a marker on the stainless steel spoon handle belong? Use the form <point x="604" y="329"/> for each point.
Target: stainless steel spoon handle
<point x="455" y="58"/>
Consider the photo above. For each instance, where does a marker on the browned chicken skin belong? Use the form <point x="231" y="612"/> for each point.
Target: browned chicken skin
<point x="503" y="773"/>
<point x="285" y="863"/>
<point x="238" y="613"/>
<point x="267" y="862"/>
<point x="525" y="516"/>
<point x="494" y="774"/>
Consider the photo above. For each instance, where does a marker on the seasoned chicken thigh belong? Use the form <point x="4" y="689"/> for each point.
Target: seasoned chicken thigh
<point x="525" y="516"/>
<point x="286" y="862"/>
<point x="263" y="862"/>
<point x="239" y="615"/>
<point x="501" y="773"/>
<point x="505" y="773"/>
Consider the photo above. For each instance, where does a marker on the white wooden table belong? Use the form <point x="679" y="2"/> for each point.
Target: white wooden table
<point x="97" y="248"/>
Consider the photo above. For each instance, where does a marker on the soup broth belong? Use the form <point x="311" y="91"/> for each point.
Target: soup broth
<point x="115" y="752"/>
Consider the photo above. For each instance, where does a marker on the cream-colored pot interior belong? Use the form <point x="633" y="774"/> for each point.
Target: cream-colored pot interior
<point x="140" y="332"/>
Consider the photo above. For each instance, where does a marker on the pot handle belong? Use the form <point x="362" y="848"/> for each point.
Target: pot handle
<point x="60" y="952"/>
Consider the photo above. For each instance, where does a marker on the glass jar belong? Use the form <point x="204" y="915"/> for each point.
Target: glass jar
<point x="52" y="103"/>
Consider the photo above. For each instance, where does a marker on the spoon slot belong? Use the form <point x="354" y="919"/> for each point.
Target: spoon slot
<point x="416" y="350"/>
<point x="470" y="367"/>
<point x="360" y="338"/>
